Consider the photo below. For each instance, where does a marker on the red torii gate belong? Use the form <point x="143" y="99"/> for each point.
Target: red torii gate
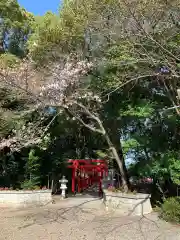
<point x="87" y="172"/>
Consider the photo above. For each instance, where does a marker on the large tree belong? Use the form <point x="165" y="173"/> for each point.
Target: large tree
<point x="14" y="27"/>
<point x="113" y="66"/>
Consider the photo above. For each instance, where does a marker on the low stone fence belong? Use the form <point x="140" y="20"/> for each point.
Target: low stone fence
<point x="25" y="198"/>
<point x="127" y="203"/>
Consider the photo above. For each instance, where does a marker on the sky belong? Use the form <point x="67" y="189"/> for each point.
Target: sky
<point x="39" y="7"/>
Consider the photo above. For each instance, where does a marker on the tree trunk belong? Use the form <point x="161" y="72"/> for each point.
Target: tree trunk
<point x="113" y="125"/>
<point x="119" y="162"/>
<point x="121" y="168"/>
<point x="101" y="130"/>
<point x="120" y="152"/>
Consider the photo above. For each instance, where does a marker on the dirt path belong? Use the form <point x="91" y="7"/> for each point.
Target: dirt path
<point x="81" y="218"/>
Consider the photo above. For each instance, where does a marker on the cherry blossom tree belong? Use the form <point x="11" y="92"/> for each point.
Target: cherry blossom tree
<point x="63" y="86"/>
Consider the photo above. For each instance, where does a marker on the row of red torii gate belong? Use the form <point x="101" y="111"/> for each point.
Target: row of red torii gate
<point x="86" y="173"/>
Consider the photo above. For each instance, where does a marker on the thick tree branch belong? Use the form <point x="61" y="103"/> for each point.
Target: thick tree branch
<point x="86" y="111"/>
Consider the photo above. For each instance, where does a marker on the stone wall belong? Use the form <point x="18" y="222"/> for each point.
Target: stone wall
<point x="127" y="204"/>
<point x="25" y="198"/>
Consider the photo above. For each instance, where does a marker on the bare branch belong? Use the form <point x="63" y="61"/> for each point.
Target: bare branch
<point x="97" y="120"/>
<point x="93" y="129"/>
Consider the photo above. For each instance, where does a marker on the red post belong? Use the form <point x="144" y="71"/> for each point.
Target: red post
<point x="73" y="180"/>
<point x="90" y="180"/>
<point x="79" y="181"/>
<point x="100" y="181"/>
<point x="88" y="173"/>
<point x="82" y="180"/>
<point x="100" y="186"/>
<point x="79" y="184"/>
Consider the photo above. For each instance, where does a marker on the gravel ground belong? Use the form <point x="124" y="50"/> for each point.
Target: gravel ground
<point x="81" y="218"/>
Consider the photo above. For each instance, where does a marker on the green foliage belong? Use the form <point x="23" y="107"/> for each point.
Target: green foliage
<point x="105" y="34"/>
<point x="102" y="154"/>
<point x="14" y="28"/>
<point x="163" y="168"/>
<point x="170" y="210"/>
<point x="11" y="12"/>
<point x="144" y="109"/>
<point x="9" y="169"/>
<point x="32" y="170"/>
<point x="6" y="126"/>
<point x="129" y="145"/>
<point x="9" y="60"/>
<point x="13" y="105"/>
<point x="167" y="166"/>
<point x="32" y="184"/>
<point x="32" y="165"/>
<point x="47" y="32"/>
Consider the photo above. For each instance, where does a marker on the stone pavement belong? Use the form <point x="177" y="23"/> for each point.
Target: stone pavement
<point x="81" y="218"/>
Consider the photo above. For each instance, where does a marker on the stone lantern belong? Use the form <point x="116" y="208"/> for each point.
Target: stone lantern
<point x="63" y="186"/>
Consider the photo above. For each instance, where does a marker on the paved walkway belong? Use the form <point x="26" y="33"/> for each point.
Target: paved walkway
<point x="81" y="218"/>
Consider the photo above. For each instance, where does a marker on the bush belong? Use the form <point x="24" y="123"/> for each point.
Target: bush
<point x="170" y="210"/>
<point x="30" y="185"/>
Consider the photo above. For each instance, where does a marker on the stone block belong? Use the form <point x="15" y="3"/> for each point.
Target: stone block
<point x="128" y="203"/>
<point x="25" y="198"/>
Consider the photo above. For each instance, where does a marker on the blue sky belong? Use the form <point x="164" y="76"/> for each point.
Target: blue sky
<point x="39" y="7"/>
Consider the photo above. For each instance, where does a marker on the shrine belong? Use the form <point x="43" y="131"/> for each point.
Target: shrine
<point x="87" y="172"/>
